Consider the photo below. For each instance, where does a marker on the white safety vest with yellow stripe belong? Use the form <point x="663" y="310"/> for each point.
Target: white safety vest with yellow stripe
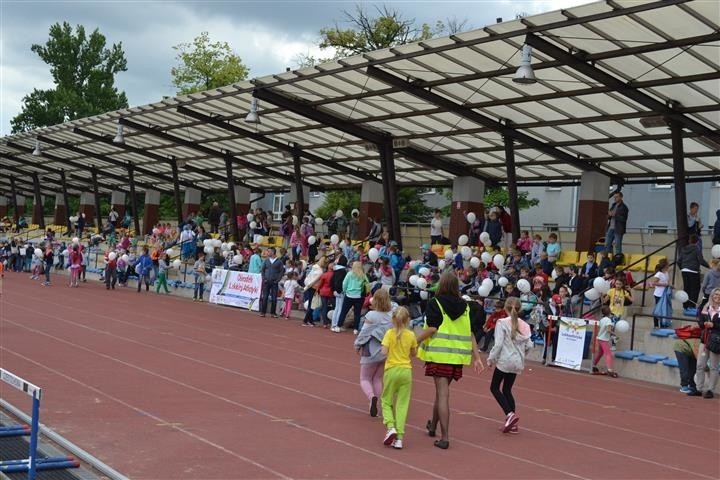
<point x="452" y="343"/>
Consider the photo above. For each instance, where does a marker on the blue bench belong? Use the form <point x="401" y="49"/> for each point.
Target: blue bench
<point x="670" y="362"/>
<point x="662" y="332"/>
<point x="628" y="354"/>
<point x="652" y="358"/>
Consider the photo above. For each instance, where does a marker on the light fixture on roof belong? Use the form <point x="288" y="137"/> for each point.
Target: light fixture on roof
<point x="525" y="74"/>
<point x="37" y="152"/>
<point x="656" y="121"/>
<point x="119" y="137"/>
<point x="252" y="116"/>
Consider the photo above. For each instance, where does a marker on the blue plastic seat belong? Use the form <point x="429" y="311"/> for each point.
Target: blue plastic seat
<point x="670" y="362"/>
<point x="628" y="354"/>
<point x="652" y="358"/>
<point x="663" y="332"/>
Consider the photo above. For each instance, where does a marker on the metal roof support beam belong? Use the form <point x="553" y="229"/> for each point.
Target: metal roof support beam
<point x="38" y="213"/>
<point x="96" y="194"/>
<point x="512" y="188"/>
<point x="133" y="198"/>
<point x="299" y="194"/>
<point x="5" y="183"/>
<point x="504" y="129"/>
<point x="66" y="199"/>
<point x="231" y="194"/>
<point x="378" y="138"/>
<point x="225" y="125"/>
<point x="389" y="182"/>
<point x="679" y="183"/>
<point x="176" y="190"/>
<point x="207" y="150"/>
<point x="153" y="156"/>
<point x="47" y="170"/>
<point x="13" y="198"/>
<point x="577" y="62"/>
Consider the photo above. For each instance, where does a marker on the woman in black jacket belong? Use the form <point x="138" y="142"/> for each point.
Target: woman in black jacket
<point x="690" y="261"/>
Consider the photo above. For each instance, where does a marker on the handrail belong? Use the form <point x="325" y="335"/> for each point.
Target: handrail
<point x="640" y="314"/>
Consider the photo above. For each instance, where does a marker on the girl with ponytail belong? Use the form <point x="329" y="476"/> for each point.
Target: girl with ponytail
<point x="512" y="341"/>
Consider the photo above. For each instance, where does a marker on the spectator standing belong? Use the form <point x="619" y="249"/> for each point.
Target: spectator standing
<point x="690" y="261"/>
<point x="272" y="271"/>
<point x="214" y="217"/>
<point x="436" y="230"/>
<point x="617" y="223"/>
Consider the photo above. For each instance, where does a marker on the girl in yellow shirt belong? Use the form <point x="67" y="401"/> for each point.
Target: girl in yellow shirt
<point x="616" y="299"/>
<point x="399" y="344"/>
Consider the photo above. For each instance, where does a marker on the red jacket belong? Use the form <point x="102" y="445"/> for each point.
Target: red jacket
<point x="324" y="285"/>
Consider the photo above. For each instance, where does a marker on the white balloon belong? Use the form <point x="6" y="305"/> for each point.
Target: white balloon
<point x="592" y="294"/>
<point x="622" y="326"/>
<point x="237" y="259"/>
<point x="421" y="283"/>
<point x="498" y="260"/>
<point x="250" y="217"/>
<point x="156" y="231"/>
<point x="355" y="211"/>
<point x="170" y="252"/>
<point x="601" y="285"/>
<point x="424" y="294"/>
<point x="295" y="220"/>
<point x="466" y="252"/>
<point x="523" y="285"/>
<point x="554" y="274"/>
<point x="475" y="262"/>
<point x="224" y="247"/>
<point x="75" y="240"/>
<point x="38" y="253"/>
<point x="334" y="239"/>
<point x="413" y="280"/>
<point x="216" y="243"/>
<point x="230" y="245"/>
<point x="176" y="263"/>
<point x="463" y="240"/>
<point x="339" y="213"/>
<point x="373" y="254"/>
<point x="208" y="250"/>
<point x="207" y="242"/>
<point x="331" y="314"/>
<point x="715" y="251"/>
<point x="487" y="243"/>
<point x="681" y="296"/>
<point x="318" y="221"/>
<point x="259" y="239"/>
<point x="306" y="304"/>
<point x="66" y="253"/>
<point x="414" y="264"/>
<point x="487" y="283"/>
<point x="448" y="254"/>
<point x="343" y="245"/>
<point x="441" y="265"/>
<point x="125" y="258"/>
<point x="484" y="236"/>
<point x="253" y="225"/>
<point x="112" y="256"/>
<point x="486" y="258"/>
<point x="502" y="281"/>
<point x="483" y="292"/>
<point x="312" y="240"/>
<point x="471" y="217"/>
<point x="424" y="271"/>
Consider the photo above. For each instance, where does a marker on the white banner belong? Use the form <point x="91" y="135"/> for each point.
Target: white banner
<point x="571" y="342"/>
<point x="238" y="289"/>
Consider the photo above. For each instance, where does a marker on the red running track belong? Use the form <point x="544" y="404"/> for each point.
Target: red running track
<point x="163" y="388"/>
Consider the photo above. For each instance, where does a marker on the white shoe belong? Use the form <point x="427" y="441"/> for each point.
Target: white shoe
<point x="390" y="436"/>
<point x="355" y="332"/>
<point x="397" y="444"/>
<point x="335" y="329"/>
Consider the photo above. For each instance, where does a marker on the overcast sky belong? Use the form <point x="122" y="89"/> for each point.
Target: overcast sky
<point x="268" y="35"/>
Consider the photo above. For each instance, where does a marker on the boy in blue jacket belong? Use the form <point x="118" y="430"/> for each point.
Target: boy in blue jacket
<point x="143" y="267"/>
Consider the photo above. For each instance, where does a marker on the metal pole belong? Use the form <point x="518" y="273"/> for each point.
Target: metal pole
<point x="300" y="195"/>
<point x="13" y="194"/>
<point x="34" y="430"/>
<point x="133" y="199"/>
<point x="38" y="206"/>
<point x="96" y="193"/>
<point x="512" y="188"/>
<point x="231" y="194"/>
<point x="679" y="181"/>
<point x="387" y="160"/>
<point x="176" y="190"/>
<point x="66" y="199"/>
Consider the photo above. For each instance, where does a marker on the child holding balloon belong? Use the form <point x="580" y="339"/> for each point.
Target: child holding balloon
<point x="163" y="267"/>
<point x="605" y="331"/>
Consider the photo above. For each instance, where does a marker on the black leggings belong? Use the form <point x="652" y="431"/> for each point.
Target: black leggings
<point x="504" y="397"/>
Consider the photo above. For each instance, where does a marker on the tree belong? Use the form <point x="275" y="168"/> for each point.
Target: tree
<point x="497" y="196"/>
<point x="335" y="200"/>
<point x="411" y="205"/>
<point x="83" y="71"/>
<point x="205" y="65"/>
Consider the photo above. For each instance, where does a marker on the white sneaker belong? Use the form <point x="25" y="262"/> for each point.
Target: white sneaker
<point x="390" y="437"/>
<point x="355" y="332"/>
<point x="397" y="444"/>
<point x="335" y="329"/>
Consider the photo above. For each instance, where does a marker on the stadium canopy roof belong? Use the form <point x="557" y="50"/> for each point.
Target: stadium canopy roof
<point x="447" y="104"/>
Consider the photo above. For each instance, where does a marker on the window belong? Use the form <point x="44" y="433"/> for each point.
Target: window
<point x="314" y="194"/>
<point x="429" y="191"/>
<point x="550" y="227"/>
<point x="662" y="186"/>
<point x="553" y="189"/>
<point x="657" y="228"/>
<point x="278" y="206"/>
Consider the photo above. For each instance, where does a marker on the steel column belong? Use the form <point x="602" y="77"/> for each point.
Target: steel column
<point x="512" y="187"/>
<point x="38" y="204"/>
<point x="387" y="163"/>
<point x="676" y="130"/>
<point x="133" y="198"/>
<point x="96" y="193"/>
<point x="299" y="195"/>
<point x="13" y="195"/>
<point x="66" y="199"/>
<point x="176" y="190"/>
<point x="231" y="194"/>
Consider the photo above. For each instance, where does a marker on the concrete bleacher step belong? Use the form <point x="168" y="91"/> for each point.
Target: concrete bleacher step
<point x="661" y="371"/>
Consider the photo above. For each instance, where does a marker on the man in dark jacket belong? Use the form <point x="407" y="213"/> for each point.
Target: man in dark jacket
<point x="617" y="223"/>
<point x="272" y="271"/>
<point x="690" y="261"/>
<point x="716" y="228"/>
<point x="214" y="217"/>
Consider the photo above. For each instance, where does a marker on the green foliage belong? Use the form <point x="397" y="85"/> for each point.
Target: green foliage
<point x="205" y="65"/>
<point x="494" y="196"/>
<point x="335" y="200"/>
<point x="167" y="210"/>
<point x="83" y="71"/>
<point x="411" y="205"/>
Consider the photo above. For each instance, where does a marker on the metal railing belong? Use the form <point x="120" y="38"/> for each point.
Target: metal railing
<point x="650" y="315"/>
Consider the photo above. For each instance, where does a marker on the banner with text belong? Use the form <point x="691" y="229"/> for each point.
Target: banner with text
<point x="571" y="342"/>
<point x="238" y="289"/>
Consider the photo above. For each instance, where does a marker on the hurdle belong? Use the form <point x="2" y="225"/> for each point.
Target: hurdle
<point x="31" y="464"/>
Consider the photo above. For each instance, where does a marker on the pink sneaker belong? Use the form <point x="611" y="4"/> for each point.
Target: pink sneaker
<point x="510" y="422"/>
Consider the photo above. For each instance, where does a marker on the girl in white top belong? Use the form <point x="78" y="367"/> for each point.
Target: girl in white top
<point x="603" y="342"/>
<point x="436" y="232"/>
<point x="289" y="288"/>
<point x="660" y="281"/>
